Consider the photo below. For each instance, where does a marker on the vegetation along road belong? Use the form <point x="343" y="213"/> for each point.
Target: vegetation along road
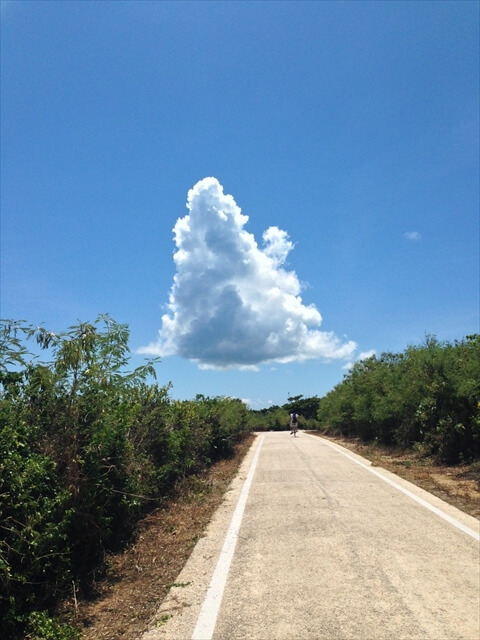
<point x="312" y="542"/>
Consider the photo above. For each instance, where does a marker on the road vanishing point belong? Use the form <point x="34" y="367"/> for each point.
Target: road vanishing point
<point x="312" y="542"/>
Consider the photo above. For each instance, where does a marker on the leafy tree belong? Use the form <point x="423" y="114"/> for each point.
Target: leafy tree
<point x="86" y="448"/>
<point x="305" y="407"/>
<point x="427" y="396"/>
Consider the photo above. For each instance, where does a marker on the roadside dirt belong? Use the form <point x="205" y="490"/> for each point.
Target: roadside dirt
<point x="138" y="579"/>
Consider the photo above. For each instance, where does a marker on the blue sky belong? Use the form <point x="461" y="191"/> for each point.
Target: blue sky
<point x="348" y="132"/>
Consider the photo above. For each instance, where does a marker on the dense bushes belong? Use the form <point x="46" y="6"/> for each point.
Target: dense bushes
<point x="278" y="418"/>
<point x="85" y="449"/>
<point x="427" y="397"/>
<point x="272" y="419"/>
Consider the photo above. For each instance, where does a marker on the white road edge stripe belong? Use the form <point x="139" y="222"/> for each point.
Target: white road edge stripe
<point x="408" y="493"/>
<point x="207" y="618"/>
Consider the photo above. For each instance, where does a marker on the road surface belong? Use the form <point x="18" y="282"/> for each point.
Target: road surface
<point x="313" y="543"/>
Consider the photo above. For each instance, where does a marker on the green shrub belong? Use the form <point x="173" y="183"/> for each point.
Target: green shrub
<point x="86" y="448"/>
<point x="427" y="396"/>
<point x="42" y="627"/>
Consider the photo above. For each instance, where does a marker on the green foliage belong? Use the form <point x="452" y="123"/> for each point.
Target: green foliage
<point x="305" y="407"/>
<point x="273" y="419"/>
<point x="43" y="627"/>
<point x="427" y="397"/>
<point x="278" y="418"/>
<point x="86" y="448"/>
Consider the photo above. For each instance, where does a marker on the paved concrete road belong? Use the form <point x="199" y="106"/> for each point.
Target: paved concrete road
<point x="328" y="548"/>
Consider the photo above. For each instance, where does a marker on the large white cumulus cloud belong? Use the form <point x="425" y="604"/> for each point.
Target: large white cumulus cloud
<point x="232" y="303"/>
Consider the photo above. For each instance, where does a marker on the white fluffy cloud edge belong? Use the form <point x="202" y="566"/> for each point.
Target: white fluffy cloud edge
<point x="232" y="303"/>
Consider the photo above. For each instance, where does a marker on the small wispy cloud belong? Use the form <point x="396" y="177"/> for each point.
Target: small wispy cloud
<point x="232" y="302"/>
<point x="413" y="236"/>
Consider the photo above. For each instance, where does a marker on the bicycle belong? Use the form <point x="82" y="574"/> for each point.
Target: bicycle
<point x="293" y="424"/>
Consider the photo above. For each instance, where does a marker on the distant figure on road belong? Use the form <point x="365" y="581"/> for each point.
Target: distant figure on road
<point x="293" y="424"/>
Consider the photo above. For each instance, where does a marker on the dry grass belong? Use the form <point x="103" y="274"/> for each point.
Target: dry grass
<point x="138" y="579"/>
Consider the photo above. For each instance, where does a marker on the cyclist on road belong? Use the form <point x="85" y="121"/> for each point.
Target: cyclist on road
<point x="293" y="424"/>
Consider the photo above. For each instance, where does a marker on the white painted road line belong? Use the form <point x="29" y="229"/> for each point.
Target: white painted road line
<point x="209" y="612"/>
<point x="408" y="493"/>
